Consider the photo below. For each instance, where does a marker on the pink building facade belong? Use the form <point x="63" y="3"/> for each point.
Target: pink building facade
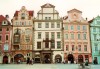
<point x="5" y="39"/>
<point x="76" y="38"/>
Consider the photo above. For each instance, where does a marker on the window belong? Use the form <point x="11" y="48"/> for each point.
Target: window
<point x="52" y="44"/>
<point x="23" y="16"/>
<point x="16" y="23"/>
<point x="95" y="36"/>
<point x="52" y="35"/>
<point x="85" y="47"/>
<point x="66" y="36"/>
<point x="84" y="36"/>
<point x="79" y="36"/>
<point x="84" y="27"/>
<point x="38" y="45"/>
<point x="0" y="37"/>
<point x="58" y="25"/>
<point x="66" y="27"/>
<point x="39" y="25"/>
<point x="73" y="48"/>
<point x="49" y="18"/>
<point x="0" y="29"/>
<point x="6" y="37"/>
<point x="96" y="47"/>
<point x="78" y="27"/>
<point x="58" y="44"/>
<point x="52" y="25"/>
<point x="98" y="22"/>
<point x="39" y="35"/>
<point x="99" y="29"/>
<point x="72" y="36"/>
<point x="94" y="29"/>
<point x="66" y="47"/>
<point x="58" y="35"/>
<point x="72" y="27"/>
<point x="46" y="25"/>
<point x="79" y="47"/>
<point x="46" y="34"/>
<point x="7" y="29"/>
<point x="46" y="18"/>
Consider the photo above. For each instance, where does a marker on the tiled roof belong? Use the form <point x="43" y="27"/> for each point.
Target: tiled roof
<point x="2" y="18"/>
<point x="47" y="5"/>
<point x="74" y="10"/>
<point x="30" y="13"/>
<point x="90" y="21"/>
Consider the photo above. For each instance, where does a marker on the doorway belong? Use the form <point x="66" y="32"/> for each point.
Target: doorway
<point x="18" y="57"/>
<point x="47" y="58"/>
<point x="71" y="58"/>
<point x="58" y="59"/>
<point x="80" y="59"/>
<point x="5" y="60"/>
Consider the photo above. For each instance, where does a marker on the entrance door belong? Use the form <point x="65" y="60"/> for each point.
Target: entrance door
<point x="95" y="60"/>
<point x="80" y="58"/>
<point x="5" y="59"/>
<point x="47" y="58"/>
<point x="71" y="58"/>
<point x="18" y="57"/>
<point x="58" y="59"/>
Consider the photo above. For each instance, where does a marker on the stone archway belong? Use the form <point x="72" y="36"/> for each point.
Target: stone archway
<point x="58" y="58"/>
<point x="80" y="58"/>
<point x="18" y="57"/>
<point x="47" y="58"/>
<point x="5" y="59"/>
<point x="71" y="58"/>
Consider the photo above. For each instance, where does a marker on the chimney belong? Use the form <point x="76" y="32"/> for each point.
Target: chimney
<point x="7" y="17"/>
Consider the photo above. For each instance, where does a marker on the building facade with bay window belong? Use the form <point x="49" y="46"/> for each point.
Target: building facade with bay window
<point x="76" y="38"/>
<point x="22" y="35"/>
<point x="95" y="39"/>
<point x="47" y="42"/>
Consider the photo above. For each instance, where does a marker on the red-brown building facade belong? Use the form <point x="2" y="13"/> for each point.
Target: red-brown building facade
<point x="5" y="39"/>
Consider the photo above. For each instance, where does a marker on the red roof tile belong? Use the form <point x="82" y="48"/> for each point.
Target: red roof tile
<point x="30" y="13"/>
<point x="48" y="5"/>
<point x="2" y="18"/>
<point x="74" y="10"/>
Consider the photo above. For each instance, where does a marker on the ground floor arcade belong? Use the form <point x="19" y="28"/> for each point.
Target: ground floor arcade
<point x="77" y="58"/>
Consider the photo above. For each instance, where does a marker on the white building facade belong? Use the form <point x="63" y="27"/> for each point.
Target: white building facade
<point x="48" y="46"/>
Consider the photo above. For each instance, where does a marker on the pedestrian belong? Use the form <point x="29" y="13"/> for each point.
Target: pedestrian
<point x="19" y="61"/>
<point x="32" y="61"/>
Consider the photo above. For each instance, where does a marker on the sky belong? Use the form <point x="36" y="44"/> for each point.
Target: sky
<point x="89" y="8"/>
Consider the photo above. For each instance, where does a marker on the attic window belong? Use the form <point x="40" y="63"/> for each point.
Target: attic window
<point x="23" y="16"/>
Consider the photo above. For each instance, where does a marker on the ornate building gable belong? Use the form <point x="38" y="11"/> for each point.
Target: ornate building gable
<point x="95" y="21"/>
<point x="74" y="15"/>
<point x="23" y="14"/>
<point x="47" y="5"/>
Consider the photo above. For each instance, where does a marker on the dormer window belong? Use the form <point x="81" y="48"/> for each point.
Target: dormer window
<point x="23" y="16"/>
<point x="4" y="23"/>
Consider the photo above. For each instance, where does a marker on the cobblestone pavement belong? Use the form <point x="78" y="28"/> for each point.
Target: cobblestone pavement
<point x="44" y="66"/>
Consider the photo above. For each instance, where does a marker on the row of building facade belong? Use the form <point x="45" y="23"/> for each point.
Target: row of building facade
<point x="48" y="38"/>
